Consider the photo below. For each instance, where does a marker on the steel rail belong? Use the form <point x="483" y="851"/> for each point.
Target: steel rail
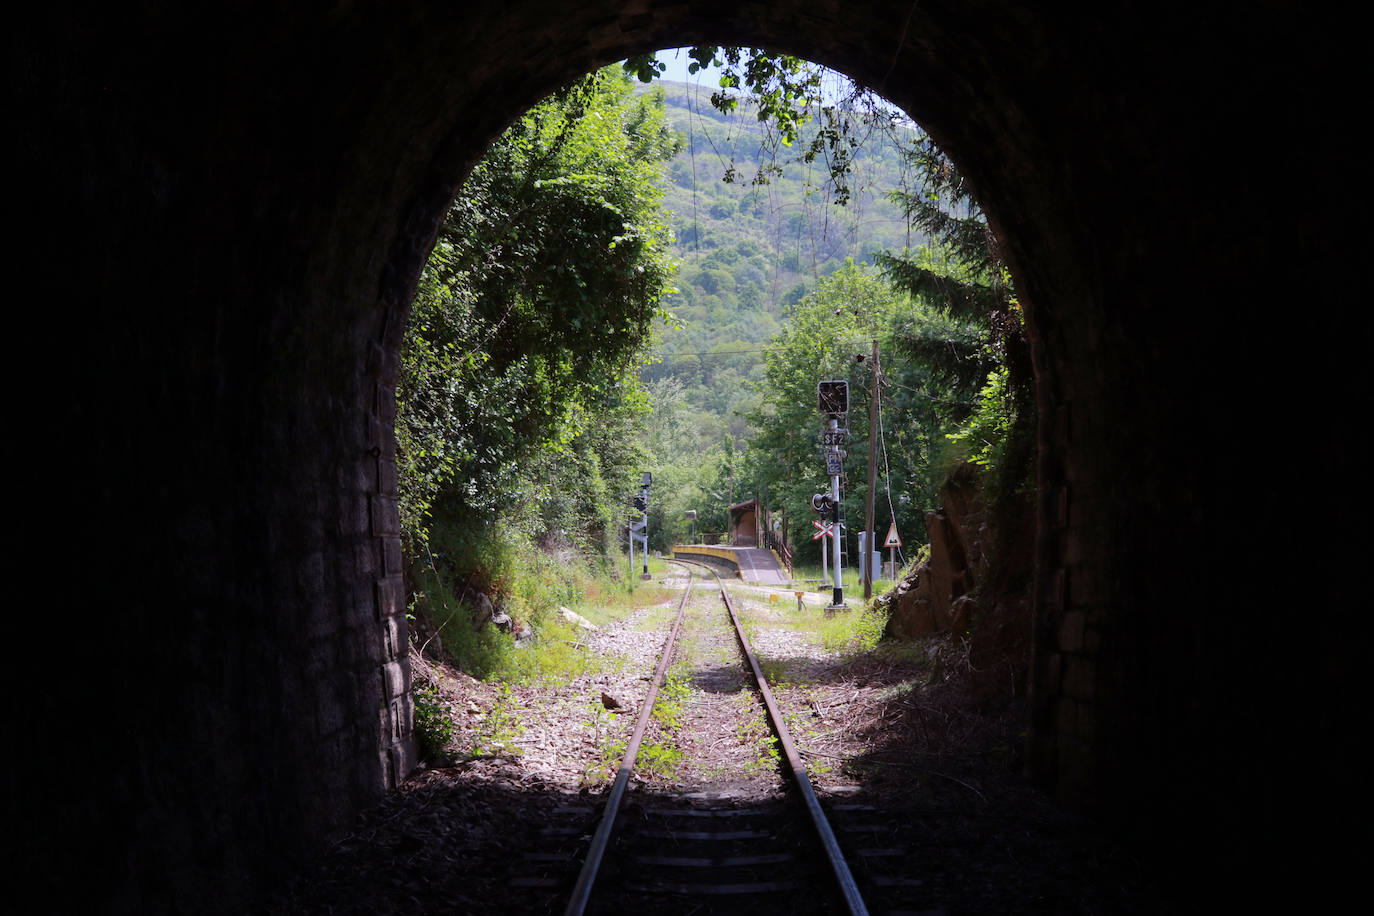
<point x="582" y="890"/>
<point x="839" y="867"/>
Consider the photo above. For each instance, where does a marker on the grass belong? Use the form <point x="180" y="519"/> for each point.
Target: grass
<point x="530" y="588"/>
<point x="753" y="731"/>
<point x="850" y="631"/>
<point x="500" y="728"/>
<point x="809" y="577"/>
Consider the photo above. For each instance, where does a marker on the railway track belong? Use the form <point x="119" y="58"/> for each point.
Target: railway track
<point x="701" y="852"/>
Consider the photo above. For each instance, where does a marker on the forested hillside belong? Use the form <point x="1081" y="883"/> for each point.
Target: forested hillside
<point x="755" y="244"/>
<point x="550" y="362"/>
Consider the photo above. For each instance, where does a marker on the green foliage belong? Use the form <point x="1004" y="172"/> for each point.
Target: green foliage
<point x="986" y="433"/>
<point x="852" y="631"/>
<point x="820" y="340"/>
<point x="750" y="251"/>
<point x="977" y="350"/>
<point x="940" y="357"/>
<point x="524" y="340"/>
<point x="518" y="403"/>
<point x="672" y="697"/>
<point x="477" y="651"/>
<point x="433" y="721"/>
<point x="609" y="740"/>
<point x="500" y="728"/>
<point x="786" y="97"/>
<point x="530" y="585"/>
<point x="753" y="730"/>
<point x="658" y="759"/>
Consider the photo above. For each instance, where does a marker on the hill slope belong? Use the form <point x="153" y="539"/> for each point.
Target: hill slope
<point x="748" y="250"/>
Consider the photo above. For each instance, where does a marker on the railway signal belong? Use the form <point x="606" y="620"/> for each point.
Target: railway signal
<point x="823" y="530"/>
<point x="639" y="531"/>
<point x="833" y="397"/>
<point x="832" y="400"/>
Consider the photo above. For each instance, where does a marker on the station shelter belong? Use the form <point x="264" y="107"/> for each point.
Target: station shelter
<point x="746" y="523"/>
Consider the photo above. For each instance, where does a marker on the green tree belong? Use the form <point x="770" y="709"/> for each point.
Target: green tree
<point x="531" y="317"/>
<point x="821" y="338"/>
<point x="976" y="348"/>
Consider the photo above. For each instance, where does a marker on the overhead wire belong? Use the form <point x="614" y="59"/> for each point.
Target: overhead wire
<point x="887" y="472"/>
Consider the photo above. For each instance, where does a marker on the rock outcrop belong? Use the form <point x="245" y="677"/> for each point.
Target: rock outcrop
<point x="935" y="596"/>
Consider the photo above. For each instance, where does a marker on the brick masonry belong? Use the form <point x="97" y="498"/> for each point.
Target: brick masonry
<point x="220" y="224"/>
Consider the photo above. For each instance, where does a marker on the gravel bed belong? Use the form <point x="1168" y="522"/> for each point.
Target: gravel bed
<point x="897" y="728"/>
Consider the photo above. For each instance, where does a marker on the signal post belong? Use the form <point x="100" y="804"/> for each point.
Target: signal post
<point x="833" y="401"/>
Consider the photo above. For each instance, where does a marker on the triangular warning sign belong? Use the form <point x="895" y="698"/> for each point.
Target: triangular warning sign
<point x="892" y="539"/>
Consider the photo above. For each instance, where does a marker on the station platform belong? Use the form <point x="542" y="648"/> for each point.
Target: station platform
<point x="758" y="565"/>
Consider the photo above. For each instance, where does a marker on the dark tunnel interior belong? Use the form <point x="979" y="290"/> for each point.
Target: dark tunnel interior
<point x="226" y="211"/>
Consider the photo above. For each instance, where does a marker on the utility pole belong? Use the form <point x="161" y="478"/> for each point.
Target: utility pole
<point x="874" y="393"/>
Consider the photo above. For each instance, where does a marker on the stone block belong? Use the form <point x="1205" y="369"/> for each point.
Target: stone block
<point x="364" y="551"/>
<point x="394" y="720"/>
<point x="393" y="638"/>
<point x="387" y="764"/>
<point x="385" y="515"/>
<point x="1054" y="673"/>
<point x="390" y="597"/>
<point x="386" y="476"/>
<point x="395" y="678"/>
<point x="393" y="561"/>
<point x="1059" y="589"/>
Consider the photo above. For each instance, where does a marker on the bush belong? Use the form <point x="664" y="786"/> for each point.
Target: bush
<point x="433" y="723"/>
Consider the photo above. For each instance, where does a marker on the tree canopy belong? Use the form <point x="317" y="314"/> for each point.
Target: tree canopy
<point x="534" y="308"/>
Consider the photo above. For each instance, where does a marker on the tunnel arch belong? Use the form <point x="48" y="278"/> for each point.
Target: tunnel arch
<point x="272" y="183"/>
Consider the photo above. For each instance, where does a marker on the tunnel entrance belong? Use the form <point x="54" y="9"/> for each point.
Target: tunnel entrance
<point x="272" y="187"/>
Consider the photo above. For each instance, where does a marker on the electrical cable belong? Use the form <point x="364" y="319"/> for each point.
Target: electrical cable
<point x="887" y="473"/>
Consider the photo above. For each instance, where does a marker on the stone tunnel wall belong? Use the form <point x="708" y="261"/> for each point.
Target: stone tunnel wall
<point x="221" y="214"/>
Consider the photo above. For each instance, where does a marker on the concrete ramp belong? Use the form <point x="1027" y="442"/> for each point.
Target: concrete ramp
<point x="754" y="564"/>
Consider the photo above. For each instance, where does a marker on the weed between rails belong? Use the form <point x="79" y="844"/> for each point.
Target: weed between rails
<point x="609" y="742"/>
<point x="753" y="732"/>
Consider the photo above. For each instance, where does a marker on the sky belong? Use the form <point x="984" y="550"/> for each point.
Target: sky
<point x="709" y="78"/>
<point x="677" y="61"/>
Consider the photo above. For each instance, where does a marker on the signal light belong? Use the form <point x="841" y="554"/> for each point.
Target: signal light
<point x="832" y="397"/>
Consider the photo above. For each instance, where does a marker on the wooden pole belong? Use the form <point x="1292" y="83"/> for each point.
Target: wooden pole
<point x="866" y="561"/>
